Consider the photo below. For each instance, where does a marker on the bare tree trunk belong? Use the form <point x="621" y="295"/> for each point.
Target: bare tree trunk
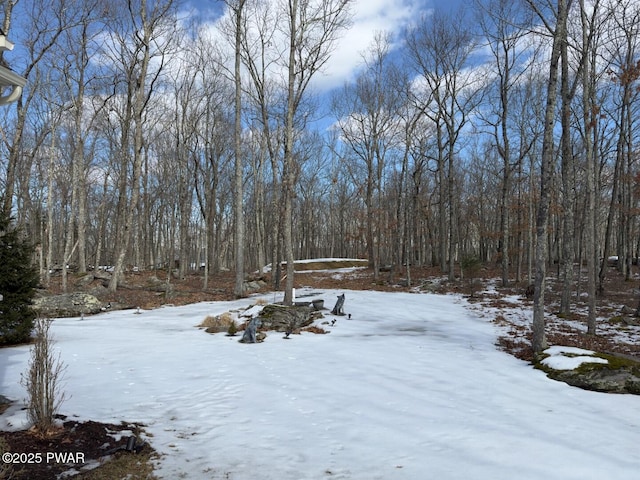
<point x="568" y="187"/>
<point x="238" y="199"/>
<point x="288" y="174"/>
<point x="610" y="218"/>
<point x="442" y="206"/>
<point x="49" y="254"/>
<point x="259" y="207"/>
<point x="79" y="183"/>
<point x="590" y="133"/>
<point x="539" y="342"/>
<point x="312" y="30"/>
<point x="452" y="201"/>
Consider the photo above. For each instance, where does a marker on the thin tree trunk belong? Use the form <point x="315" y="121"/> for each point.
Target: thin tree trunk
<point x="238" y="200"/>
<point x="48" y="263"/>
<point x="568" y="187"/>
<point x="288" y="173"/>
<point x="539" y="342"/>
<point x="590" y="133"/>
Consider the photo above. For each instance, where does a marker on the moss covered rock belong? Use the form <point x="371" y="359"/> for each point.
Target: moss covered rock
<point x="619" y="374"/>
<point x="287" y="319"/>
<point x="67" y="305"/>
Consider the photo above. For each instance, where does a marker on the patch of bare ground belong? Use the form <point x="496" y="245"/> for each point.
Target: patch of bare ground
<point x="82" y="450"/>
<point x="505" y="305"/>
<point x="617" y="330"/>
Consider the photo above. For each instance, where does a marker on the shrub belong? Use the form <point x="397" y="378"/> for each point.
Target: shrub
<point x="18" y="280"/>
<point x="233" y="328"/>
<point x="470" y="266"/>
<point x="42" y="380"/>
<point x="219" y="323"/>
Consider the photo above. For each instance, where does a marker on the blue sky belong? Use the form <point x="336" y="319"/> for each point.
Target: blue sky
<point x="370" y="18"/>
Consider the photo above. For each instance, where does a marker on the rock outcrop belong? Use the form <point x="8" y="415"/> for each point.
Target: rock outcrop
<point x="621" y="374"/>
<point x="67" y="305"/>
<point x="287" y="319"/>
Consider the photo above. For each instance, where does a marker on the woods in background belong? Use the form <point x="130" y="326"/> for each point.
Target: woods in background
<point x="447" y="144"/>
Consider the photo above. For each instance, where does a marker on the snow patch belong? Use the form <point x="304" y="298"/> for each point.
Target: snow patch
<point x="569" y="358"/>
<point x="412" y="386"/>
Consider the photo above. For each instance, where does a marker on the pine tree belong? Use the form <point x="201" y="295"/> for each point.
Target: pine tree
<point x="18" y="280"/>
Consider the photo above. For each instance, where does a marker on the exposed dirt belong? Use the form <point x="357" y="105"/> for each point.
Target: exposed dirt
<point x="94" y="439"/>
<point x="75" y="448"/>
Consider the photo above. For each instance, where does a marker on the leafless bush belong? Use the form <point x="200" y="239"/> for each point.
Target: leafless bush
<point x="217" y="323"/>
<point x="43" y="380"/>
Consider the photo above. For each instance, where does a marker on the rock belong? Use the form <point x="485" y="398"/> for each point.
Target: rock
<point x="601" y="380"/>
<point x="432" y="286"/>
<point x="620" y="375"/>
<point x="4" y="404"/>
<point x="161" y="286"/>
<point x="102" y="275"/>
<point x="98" y="291"/>
<point x="84" y="281"/>
<point x="287" y="319"/>
<point x="67" y="305"/>
<point x="254" y="286"/>
<point x="625" y="310"/>
<point x="154" y="281"/>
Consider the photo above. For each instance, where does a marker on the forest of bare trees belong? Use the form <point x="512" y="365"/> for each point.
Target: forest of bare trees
<point x="503" y="132"/>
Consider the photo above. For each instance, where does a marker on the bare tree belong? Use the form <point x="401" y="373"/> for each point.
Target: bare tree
<point x="38" y="28"/>
<point x="261" y="55"/>
<point x="237" y="9"/>
<point x="439" y="49"/>
<point x="368" y="113"/>
<point x="625" y="73"/>
<point x="504" y="27"/>
<point x="79" y="82"/>
<point x="237" y="149"/>
<point x="591" y="25"/>
<point x="211" y="118"/>
<point x="311" y="29"/>
<point x="559" y="35"/>
<point x="148" y="38"/>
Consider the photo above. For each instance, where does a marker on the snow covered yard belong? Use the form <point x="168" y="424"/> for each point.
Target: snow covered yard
<point x="411" y="387"/>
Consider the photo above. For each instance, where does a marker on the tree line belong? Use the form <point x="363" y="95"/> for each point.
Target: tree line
<point x="504" y="132"/>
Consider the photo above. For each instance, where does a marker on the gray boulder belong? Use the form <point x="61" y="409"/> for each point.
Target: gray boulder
<point x="601" y="380"/>
<point x="160" y="286"/>
<point x="287" y="319"/>
<point x="84" y="281"/>
<point x="67" y="305"/>
<point x="620" y="375"/>
<point x="254" y="286"/>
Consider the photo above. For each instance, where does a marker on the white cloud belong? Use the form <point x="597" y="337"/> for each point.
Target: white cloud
<point x="369" y="18"/>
